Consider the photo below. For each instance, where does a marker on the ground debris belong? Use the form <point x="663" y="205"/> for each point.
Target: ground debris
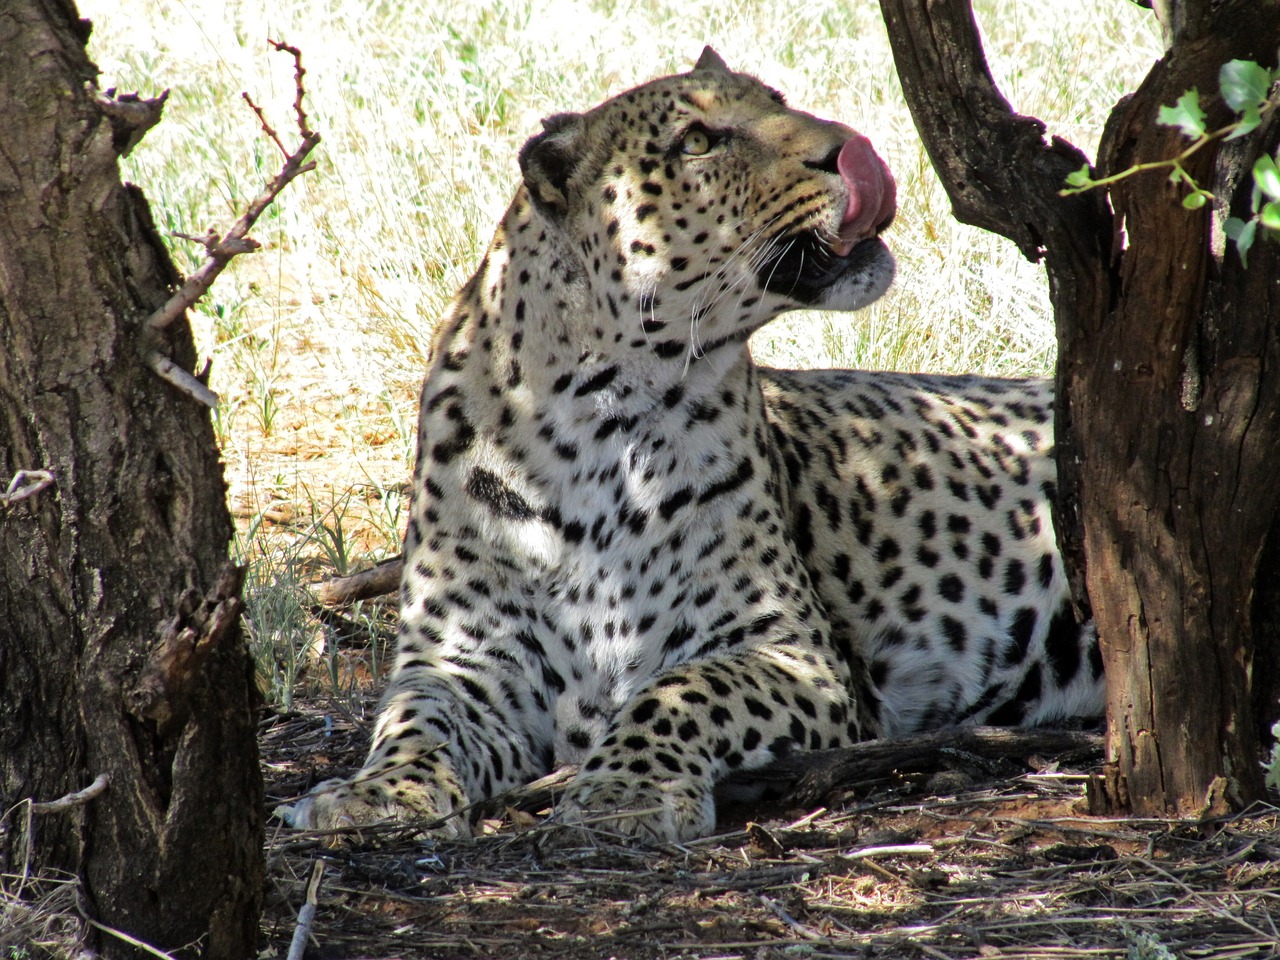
<point x="1006" y="867"/>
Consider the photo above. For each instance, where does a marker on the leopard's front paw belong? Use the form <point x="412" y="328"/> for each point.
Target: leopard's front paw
<point x="359" y="802"/>
<point x="660" y="810"/>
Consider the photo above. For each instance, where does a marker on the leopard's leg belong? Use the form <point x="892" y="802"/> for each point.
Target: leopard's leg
<point x="453" y="728"/>
<point x="654" y="773"/>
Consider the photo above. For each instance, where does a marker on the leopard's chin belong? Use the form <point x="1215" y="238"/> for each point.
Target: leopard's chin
<point x="808" y="271"/>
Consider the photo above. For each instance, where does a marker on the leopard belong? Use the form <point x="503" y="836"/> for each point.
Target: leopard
<point x="634" y="549"/>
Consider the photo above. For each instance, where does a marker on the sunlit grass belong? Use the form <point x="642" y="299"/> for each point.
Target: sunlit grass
<point x="318" y="342"/>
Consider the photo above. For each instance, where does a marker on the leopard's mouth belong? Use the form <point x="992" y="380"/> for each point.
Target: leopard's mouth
<point x="805" y="265"/>
<point x="808" y="262"/>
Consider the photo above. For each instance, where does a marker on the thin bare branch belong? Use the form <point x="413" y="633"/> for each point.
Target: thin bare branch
<point x="77" y="799"/>
<point x="26" y="483"/>
<point x="220" y="250"/>
<point x="298" y="73"/>
<point x="166" y="369"/>
<point x="307" y="914"/>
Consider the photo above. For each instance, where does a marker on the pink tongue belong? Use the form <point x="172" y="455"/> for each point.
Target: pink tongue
<point x="872" y="191"/>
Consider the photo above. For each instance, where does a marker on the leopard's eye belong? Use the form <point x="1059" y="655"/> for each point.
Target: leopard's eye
<point x="696" y="143"/>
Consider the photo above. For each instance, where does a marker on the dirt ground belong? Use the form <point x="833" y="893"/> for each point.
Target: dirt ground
<point x="975" y="860"/>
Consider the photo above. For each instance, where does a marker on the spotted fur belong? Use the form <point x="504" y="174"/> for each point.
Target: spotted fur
<point x="633" y="548"/>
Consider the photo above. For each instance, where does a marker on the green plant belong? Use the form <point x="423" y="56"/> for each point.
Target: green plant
<point x="1245" y="87"/>
<point x="1146" y="946"/>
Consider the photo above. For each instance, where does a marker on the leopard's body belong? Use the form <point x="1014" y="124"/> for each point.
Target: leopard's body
<point x="633" y="548"/>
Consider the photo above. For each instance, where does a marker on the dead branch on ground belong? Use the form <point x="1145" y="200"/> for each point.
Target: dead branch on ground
<point x="365" y="585"/>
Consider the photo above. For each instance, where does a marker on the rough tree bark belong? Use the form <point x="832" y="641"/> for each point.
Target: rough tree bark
<point x="1168" y="413"/>
<point x="120" y="648"/>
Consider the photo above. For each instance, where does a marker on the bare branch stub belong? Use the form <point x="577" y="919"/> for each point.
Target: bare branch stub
<point x="72" y="800"/>
<point x="200" y="625"/>
<point x="220" y="250"/>
<point x="130" y="116"/>
<point x="26" y="483"/>
<point x="186" y="382"/>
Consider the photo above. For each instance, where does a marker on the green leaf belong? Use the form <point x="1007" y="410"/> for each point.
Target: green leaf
<point x="1241" y="232"/>
<point x="1244" y="84"/>
<point x="1185" y="114"/>
<point x="1267" y="176"/>
<point x="1270" y="215"/>
<point x="1080" y="178"/>
<point x="1250" y="117"/>
<point x="1194" y="201"/>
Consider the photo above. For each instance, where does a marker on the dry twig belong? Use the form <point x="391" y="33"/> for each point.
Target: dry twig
<point x="220" y="249"/>
<point x="26" y="483"/>
<point x="307" y="913"/>
<point x="77" y="799"/>
<point x="365" y="585"/>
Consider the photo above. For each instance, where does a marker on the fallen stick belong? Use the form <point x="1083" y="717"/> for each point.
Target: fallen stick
<point x="307" y="913"/>
<point x="374" y="582"/>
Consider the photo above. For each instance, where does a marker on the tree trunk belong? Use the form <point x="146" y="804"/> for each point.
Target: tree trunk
<point x="1168" y="388"/>
<point x="120" y="647"/>
<point x="1178" y="493"/>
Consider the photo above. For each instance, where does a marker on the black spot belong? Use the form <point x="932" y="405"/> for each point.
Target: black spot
<point x="728" y="484"/>
<point x="955" y="633"/>
<point x="1044" y="570"/>
<point x="1030" y="687"/>
<point x="1063" y="645"/>
<point x="645" y="710"/>
<point x="887" y="550"/>
<point x="1015" y="577"/>
<point x="488" y="488"/>
<point x="463" y="436"/>
<point x="1023" y="629"/>
<point x="680" y="634"/>
<point x="681" y="498"/>
<point x="596" y="383"/>
<point x="951" y="587"/>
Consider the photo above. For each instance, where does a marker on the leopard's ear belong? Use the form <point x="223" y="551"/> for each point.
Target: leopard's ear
<point x="710" y="60"/>
<point x="548" y="161"/>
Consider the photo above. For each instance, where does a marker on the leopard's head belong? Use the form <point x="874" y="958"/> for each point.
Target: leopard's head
<point x="699" y="206"/>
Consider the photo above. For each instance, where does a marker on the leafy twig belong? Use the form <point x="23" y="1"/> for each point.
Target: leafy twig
<point x="1246" y="88"/>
